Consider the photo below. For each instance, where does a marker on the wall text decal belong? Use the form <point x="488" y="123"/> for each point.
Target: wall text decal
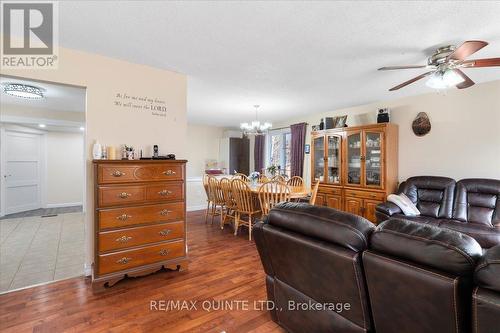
<point x="156" y="106"/>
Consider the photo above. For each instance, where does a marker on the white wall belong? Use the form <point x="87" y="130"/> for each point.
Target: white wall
<point x="65" y="169"/>
<point x="464" y="141"/>
<point x="202" y="145"/>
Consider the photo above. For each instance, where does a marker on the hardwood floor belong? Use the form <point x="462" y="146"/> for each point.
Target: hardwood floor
<point x="222" y="268"/>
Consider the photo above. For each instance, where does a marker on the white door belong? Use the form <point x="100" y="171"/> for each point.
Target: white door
<point x="21" y="171"/>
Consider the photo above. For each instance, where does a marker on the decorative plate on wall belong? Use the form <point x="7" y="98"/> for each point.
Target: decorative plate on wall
<point x="421" y="125"/>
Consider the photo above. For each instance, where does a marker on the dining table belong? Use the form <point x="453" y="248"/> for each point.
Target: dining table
<point x="296" y="192"/>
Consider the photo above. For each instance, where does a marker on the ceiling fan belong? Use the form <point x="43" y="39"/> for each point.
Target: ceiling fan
<point x="445" y="66"/>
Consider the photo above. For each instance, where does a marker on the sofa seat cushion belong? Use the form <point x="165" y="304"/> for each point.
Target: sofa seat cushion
<point x="427" y="245"/>
<point x="486" y="236"/>
<point x="487" y="273"/>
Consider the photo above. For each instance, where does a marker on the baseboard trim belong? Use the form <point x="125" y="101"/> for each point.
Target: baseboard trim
<point x="193" y="208"/>
<point x="66" y="204"/>
<point x="87" y="270"/>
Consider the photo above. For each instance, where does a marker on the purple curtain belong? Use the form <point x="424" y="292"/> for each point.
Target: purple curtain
<point x="258" y="152"/>
<point x="297" y="148"/>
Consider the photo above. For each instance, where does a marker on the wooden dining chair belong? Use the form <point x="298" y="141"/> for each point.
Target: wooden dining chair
<point x="241" y="176"/>
<point x="279" y="178"/>
<point x="263" y="179"/>
<point x="295" y="181"/>
<point x="314" y="194"/>
<point x="272" y="193"/>
<point x="246" y="206"/>
<point x="230" y="203"/>
<point x="209" y="200"/>
<point x="216" y="197"/>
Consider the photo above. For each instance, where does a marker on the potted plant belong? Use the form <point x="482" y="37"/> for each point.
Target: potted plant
<point x="273" y="170"/>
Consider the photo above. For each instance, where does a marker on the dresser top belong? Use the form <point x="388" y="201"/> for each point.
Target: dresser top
<point x="137" y="161"/>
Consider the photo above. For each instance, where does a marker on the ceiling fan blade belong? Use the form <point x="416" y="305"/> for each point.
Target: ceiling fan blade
<point x="467" y="83"/>
<point x="490" y="62"/>
<point x="400" y="67"/>
<point x="410" y="81"/>
<point x="466" y="49"/>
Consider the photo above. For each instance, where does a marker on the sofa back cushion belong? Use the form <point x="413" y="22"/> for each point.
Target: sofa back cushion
<point x="478" y="201"/>
<point x="433" y="196"/>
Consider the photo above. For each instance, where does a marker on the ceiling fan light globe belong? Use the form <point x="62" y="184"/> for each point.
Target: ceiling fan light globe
<point x="444" y="79"/>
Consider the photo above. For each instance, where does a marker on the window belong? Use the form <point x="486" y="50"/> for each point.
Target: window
<point x="278" y="150"/>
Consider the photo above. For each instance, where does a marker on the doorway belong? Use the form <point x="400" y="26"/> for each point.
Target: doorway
<point x="42" y="194"/>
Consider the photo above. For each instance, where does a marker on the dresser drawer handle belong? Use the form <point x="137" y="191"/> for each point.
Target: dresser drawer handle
<point x="123" y="239"/>
<point x="164" y="252"/>
<point x="165" y="192"/>
<point x="165" y="212"/>
<point x="124" y="260"/>
<point x="165" y="232"/>
<point x="169" y="172"/>
<point x="123" y="217"/>
<point x="124" y="195"/>
<point x="117" y="173"/>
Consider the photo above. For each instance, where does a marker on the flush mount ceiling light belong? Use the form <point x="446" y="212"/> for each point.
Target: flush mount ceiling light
<point x="255" y="127"/>
<point x="23" y="91"/>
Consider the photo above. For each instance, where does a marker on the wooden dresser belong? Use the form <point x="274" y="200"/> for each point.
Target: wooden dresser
<point x="140" y="210"/>
<point x="357" y="167"/>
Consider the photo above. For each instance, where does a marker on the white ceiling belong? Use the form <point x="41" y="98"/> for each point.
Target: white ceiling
<point x="56" y="96"/>
<point x="293" y="58"/>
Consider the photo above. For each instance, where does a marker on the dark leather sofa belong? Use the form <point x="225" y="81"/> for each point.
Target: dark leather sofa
<point x="486" y="298"/>
<point x="402" y="276"/>
<point x="470" y="206"/>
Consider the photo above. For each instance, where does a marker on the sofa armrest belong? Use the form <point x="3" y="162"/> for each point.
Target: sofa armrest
<point x="388" y="208"/>
<point x="487" y="273"/>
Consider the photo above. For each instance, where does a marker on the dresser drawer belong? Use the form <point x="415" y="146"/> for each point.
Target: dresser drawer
<point x="365" y="194"/>
<point x="165" y="191"/>
<point x="124" y="238"/>
<point x="120" y="173"/>
<point x="121" y="195"/>
<point x="128" y="216"/>
<point x="110" y="195"/>
<point x="122" y="260"/>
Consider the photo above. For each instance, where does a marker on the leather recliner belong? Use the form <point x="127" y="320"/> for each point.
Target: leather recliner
<point x="419" y="278"/>
<point x="312" y="257"/>
<point x="470" y="206"/>
<point x="486" y="298"/>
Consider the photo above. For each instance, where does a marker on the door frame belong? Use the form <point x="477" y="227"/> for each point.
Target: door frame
<point x="42" y="167"/>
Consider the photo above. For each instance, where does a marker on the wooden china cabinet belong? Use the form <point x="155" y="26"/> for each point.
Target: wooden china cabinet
<point x="357" y="167"/>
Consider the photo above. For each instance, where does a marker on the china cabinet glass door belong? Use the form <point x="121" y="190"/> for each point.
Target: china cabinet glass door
<point x="333" y="159"/>
<point x="353" y="163"/>
<point x="373" y="158"/>
<point x="319" y="158"/>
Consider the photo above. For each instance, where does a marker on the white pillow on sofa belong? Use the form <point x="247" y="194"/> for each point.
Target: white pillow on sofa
<point x="403" y="202"/>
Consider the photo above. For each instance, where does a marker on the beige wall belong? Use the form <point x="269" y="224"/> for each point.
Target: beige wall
<point x="202" y="145"/>
<point x="103" y="78"/>
<point x="464" y="140"/>
<point x="65" y="169"/>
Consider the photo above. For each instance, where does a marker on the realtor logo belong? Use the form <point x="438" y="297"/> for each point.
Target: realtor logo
<point x="30" y="34"/>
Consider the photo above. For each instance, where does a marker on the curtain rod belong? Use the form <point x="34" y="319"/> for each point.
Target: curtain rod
<point x="280" y="128"/>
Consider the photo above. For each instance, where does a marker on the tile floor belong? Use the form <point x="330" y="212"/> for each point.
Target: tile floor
<point x="38" y="249"/>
